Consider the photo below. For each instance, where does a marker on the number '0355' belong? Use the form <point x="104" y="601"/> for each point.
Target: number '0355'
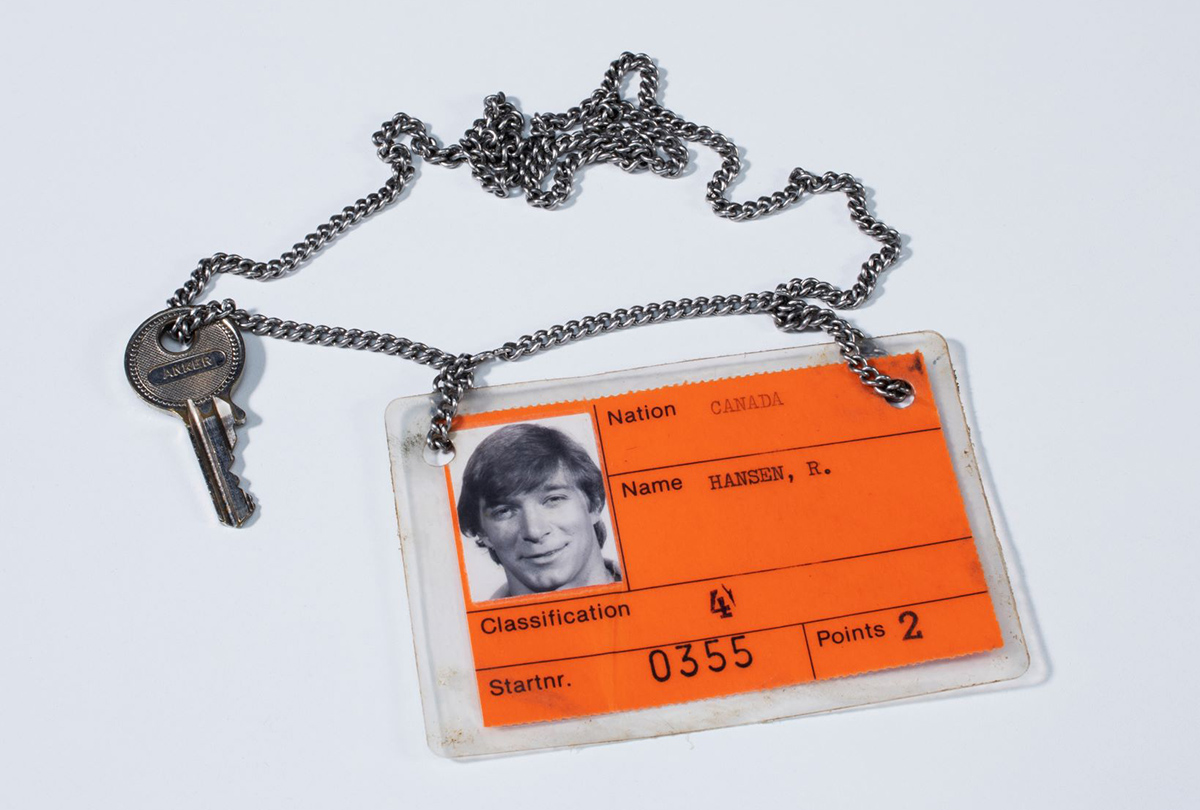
<point x="691" y="659"/>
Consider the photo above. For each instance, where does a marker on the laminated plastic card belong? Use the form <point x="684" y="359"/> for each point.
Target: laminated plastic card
<point x="695" y="545"/>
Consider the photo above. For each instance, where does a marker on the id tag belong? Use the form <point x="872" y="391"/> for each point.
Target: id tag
<point x="695" y="545"/>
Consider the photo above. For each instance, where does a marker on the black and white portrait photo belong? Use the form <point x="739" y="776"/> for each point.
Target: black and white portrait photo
<point x="532" y="509"/>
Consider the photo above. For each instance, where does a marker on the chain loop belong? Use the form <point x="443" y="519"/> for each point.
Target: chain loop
<point x="794" y="314"/>
<point x="198" y="317"/>
<point x="540" y="158"/>
<point x="450" y="385"/>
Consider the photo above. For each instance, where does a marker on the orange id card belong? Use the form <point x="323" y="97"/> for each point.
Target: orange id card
<point x="707" y="539"/>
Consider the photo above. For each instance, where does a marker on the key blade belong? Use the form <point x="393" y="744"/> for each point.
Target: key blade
<point x="211" y="433"/>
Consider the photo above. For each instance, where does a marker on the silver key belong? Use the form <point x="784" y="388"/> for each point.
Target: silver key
<point x="196" y="384"/>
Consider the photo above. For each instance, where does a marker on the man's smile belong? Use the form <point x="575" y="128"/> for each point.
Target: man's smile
<point x="543" y="557"/>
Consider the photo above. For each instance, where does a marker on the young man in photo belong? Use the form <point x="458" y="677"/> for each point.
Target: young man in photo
<point x="534" y="498"/>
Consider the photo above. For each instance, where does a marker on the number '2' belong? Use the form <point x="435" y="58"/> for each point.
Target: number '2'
<point x="911" y="633"/>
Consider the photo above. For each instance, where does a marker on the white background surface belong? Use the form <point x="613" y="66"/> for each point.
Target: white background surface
<point x="1040" y="159"/>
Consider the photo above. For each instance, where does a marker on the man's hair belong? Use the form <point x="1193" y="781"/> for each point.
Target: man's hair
<point x="517" y="459"/>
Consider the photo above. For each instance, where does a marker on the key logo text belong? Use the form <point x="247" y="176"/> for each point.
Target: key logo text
<point x="186" y="367"/>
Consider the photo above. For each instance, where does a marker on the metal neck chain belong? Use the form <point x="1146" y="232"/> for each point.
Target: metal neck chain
<point x="604" y="128"/>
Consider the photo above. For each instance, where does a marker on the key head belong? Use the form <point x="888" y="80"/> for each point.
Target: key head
<point x="209" y="367"/>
